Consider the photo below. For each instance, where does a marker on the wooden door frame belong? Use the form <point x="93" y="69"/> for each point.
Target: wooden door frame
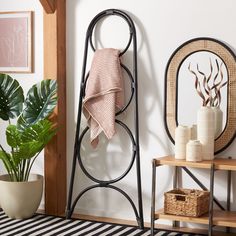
<point x="55" y="68"/>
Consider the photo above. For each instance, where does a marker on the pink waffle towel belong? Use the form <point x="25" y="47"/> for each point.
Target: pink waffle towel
<point x="104" y="93"/>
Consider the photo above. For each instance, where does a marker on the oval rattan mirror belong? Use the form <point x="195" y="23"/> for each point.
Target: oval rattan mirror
<point x="190" y="47"/>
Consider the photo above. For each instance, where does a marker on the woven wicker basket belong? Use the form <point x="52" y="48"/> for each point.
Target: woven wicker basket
<point x="186" y="202"/>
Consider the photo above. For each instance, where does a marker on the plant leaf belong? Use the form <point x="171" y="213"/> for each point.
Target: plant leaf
<point x="34" y="138"/>
<point x="16" y="158"/>
<point x="6" y="159"/>
<point x="11" y="97"/>
<point x="42" y="132"/>
<point x="13" y="136"/>
<point x="39" y="103"/>
<point x="29" y="150"/>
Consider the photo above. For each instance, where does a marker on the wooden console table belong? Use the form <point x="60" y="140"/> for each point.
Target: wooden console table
<point x="223" y="217"/>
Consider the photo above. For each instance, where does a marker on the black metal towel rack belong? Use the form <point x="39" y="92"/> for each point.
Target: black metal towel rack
<point x="134" y="138"/>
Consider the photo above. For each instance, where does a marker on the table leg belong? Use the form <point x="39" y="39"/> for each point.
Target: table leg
<point x="175" y="185"/>
<point x="229" y="176"/>
<point x="212" y="173"/>
<point x="153" y="197"/>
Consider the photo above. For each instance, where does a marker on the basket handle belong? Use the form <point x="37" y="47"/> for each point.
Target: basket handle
<point x="181" y="198"/>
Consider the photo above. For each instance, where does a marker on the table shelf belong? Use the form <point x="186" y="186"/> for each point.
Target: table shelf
<point x="223" y="217"/>
<point x="220" y="218"/>
<point x="219" y="163"/>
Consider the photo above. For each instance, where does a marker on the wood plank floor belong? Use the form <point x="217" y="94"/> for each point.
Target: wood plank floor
<point x="146" y="224"/>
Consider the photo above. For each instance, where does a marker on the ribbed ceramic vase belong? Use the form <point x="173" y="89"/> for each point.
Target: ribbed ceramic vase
<point x="218" y="121"/>
<point x="182" y="136"/>
<point x="206" y="131"/>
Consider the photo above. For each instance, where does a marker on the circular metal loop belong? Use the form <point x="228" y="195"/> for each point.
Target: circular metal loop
<point x="105" y="186"/>
<point x="91" y="29"/>
<point x="85" y="82"/>
<point x="125" y="172"/>
<point x="132" y="90"/>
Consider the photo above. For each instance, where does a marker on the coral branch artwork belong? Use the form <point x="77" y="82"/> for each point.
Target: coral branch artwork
<point x="16" y="42"/>
<point x="209" y="87"/>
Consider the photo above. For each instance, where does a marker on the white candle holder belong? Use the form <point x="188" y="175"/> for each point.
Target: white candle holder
<point x="194" y="151"/>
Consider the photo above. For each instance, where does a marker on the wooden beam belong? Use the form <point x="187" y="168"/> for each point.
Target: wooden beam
<point x="48" y="5"/>
<point x="55" y="68"/>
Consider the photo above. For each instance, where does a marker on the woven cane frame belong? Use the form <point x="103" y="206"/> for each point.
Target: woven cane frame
<point x="171" y="77"/>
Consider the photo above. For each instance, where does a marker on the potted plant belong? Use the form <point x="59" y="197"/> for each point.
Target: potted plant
<point x="27" y="133"/>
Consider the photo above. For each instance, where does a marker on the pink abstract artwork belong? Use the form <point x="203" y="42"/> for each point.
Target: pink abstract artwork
<point x="15" y="42"/>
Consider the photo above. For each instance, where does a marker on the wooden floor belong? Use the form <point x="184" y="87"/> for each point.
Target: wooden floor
<point x="158" y="226"/>
<point x="134" y="223"/>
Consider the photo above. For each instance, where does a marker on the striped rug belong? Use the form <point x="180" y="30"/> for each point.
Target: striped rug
<point x="54" y="226"/>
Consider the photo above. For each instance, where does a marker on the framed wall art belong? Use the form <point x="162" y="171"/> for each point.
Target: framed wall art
<point x="16" y="42"/>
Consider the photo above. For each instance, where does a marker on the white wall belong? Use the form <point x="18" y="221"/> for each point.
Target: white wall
<point x="27" y="80"/>
<point x="162" y="25"/>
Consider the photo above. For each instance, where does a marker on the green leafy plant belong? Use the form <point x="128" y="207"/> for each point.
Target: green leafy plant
<point x="33" y="130"/>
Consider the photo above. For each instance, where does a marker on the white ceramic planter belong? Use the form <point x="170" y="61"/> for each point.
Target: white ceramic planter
<point x="206" y="131"/>
<point x="182" y="136"/>
<point x="20" y="200"/>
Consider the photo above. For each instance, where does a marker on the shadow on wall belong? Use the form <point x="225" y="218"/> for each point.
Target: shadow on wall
<point x="150" y="87"/>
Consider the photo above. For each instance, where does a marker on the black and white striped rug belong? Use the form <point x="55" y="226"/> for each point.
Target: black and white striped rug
<point x="43" y="225"/>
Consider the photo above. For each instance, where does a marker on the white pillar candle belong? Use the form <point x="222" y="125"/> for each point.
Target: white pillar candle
<point x="193" y="129"/>
<point x="182" y="136"/>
